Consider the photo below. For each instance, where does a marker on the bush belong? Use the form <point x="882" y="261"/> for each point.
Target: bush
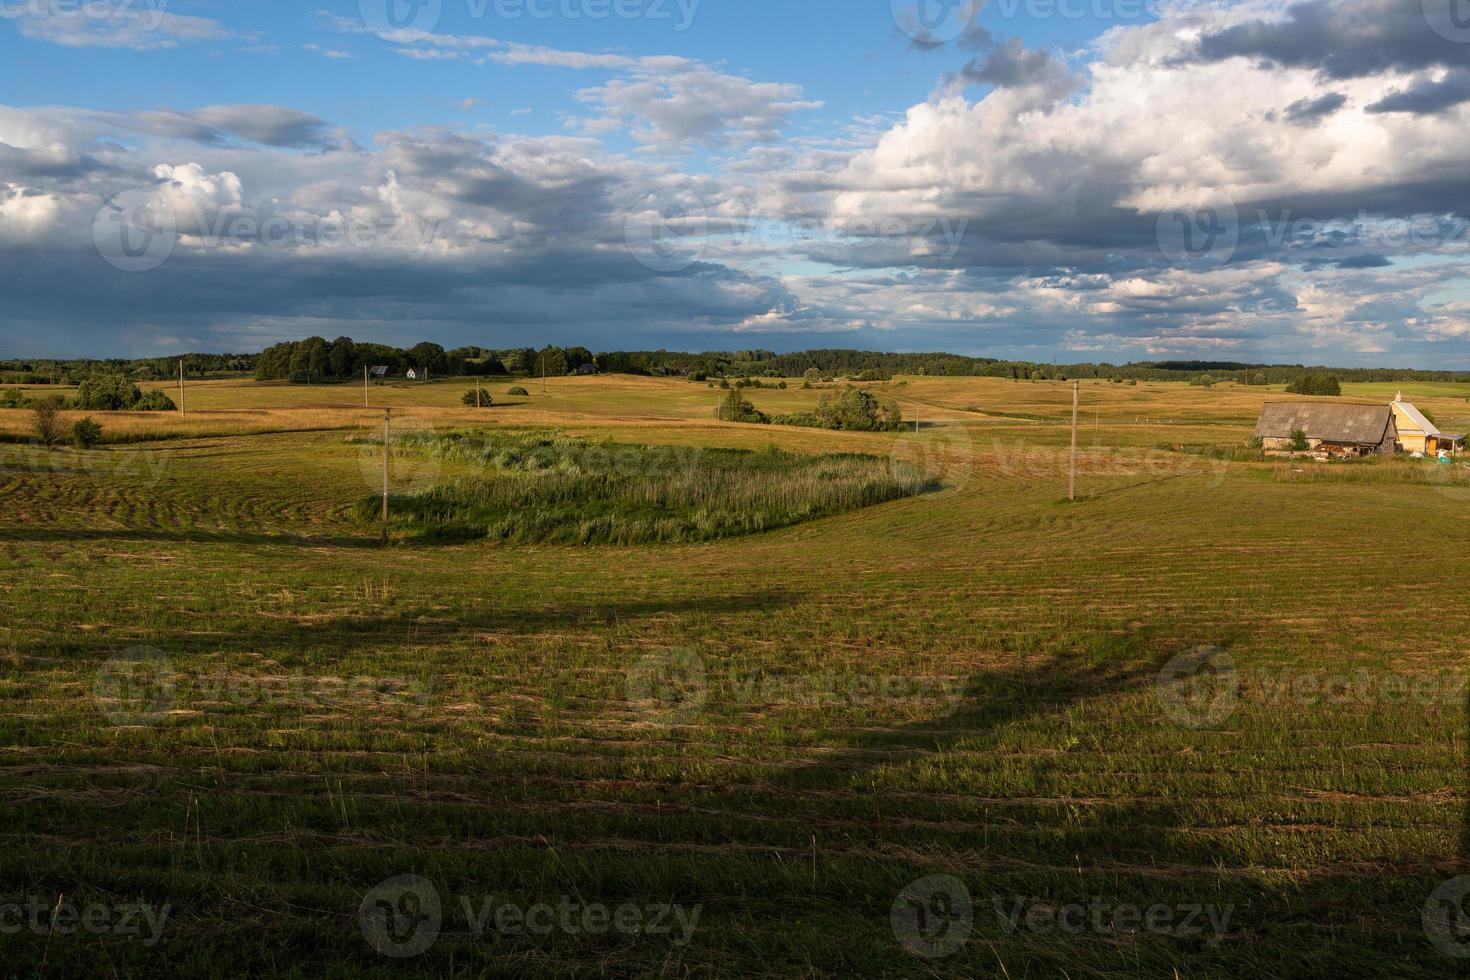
<point x="86" y="434"/>
<point x="155" y="401"/>
<point x="737" y="408"/>
<point x="519" y="392"/>
<point x="856" y="410"/>
<point x="478" y="398"/>
<point x="12" y="398"/>
<point x="1298" y="442"/>
<point x="108" y="393"/>
<point x="1202" y="381"/>
<point x="811" y="378"/>
<point x="1256" y="442"/>
<point x="46" y="421"/>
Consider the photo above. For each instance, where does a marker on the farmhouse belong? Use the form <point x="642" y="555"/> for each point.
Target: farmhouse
<point x="1419" y="435"/>
<point x="1331" y="430"/>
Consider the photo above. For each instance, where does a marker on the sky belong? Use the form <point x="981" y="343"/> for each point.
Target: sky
<point x="1070" y="180"/>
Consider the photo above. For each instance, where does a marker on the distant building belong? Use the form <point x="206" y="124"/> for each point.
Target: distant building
<point x="379" y="371"/>
<point x="587" y="369"/>
<point x="1419" y="435"/>
<point x="412" y="375"/>
<point x="1331" y="429"/>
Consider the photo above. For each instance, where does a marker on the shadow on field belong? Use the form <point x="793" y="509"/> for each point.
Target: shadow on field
<point x="423" y="625"/>
<point x="190" y="536"/>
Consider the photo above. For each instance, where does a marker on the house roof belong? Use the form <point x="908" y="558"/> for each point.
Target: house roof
<point x="1362" y="424"/>
<point x="1416" y="417"/>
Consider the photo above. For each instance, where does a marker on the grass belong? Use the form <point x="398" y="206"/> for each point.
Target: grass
<point x="547" y="488"/>
<point x="785" y="730"/>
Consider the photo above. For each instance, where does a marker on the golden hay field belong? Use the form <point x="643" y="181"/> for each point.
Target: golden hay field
<point x="1209" y="719"/>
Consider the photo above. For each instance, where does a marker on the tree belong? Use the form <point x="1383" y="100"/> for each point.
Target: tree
<point x="46" y="421"/>
<point x="431" y="356"/>
<point x="108" y="393"/>
<point x="311" y="359"/>
<point x="737" y="408"/>
<point x="551" y="362"/>
<point x="1298" y="443"/>
<point x="811" y="377"/>
<point x="1315" y="384"/>
<point x="856" y="410"/>
<point x="343" y="357"/>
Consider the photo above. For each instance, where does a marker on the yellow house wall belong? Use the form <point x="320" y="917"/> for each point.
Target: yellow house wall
<point x="1411" y="437"/>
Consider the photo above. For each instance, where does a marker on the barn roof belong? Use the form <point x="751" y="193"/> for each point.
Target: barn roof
<point x="1415" y="416"/>
<point x="1364" y="424"/>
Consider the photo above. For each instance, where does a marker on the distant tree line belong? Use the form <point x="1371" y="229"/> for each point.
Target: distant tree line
<point x="316" y="359"/>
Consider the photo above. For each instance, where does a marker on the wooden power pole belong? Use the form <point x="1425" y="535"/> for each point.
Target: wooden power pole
<point x="183" y="398"/>
<point x="387" y="443"/>
<point x="1072" y="477"/>
<point x="365" y="403"/>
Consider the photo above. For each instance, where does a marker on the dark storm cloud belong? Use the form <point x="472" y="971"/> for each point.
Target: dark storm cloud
<point x="1310" y="112"/>
<point x="1427" y="98"/>
<point x="1343" y="38"/>
<point x="270" y="125"/>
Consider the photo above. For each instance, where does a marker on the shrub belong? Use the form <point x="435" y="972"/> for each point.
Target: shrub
<point x="12" y="398"/>
<point x="856" y="410"/>
<point x="155" y="401"/>
<point x="737" y="408"/>
<point x="86" y="434"/>
<point x="478" y="398"/>
<point x="519" y="392"/>
<point x="46" y="421"/>
<point x="1256" y="443"/>
<point x="1202" y="381"/>
<point x="811" y="378"/>
<point x="1298" y="442"/>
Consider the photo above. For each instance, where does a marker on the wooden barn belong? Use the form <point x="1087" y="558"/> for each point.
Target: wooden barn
<point x="1331" y="430"/>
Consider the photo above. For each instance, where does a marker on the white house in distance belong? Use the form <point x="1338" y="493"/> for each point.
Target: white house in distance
<point x="1419" y="435"/>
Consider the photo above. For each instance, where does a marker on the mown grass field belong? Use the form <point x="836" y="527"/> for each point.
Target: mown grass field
<point x="220" y="696"/>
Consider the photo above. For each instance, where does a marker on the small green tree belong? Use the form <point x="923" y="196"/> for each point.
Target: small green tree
<point x="1298" y="443"/>
<point x="519" y="392"/>
<point x="810" y="378"/>
<point x="154" y="401"/>
<point x="478" y="397"/>
<point x="108" y="393"/>
<point x="737" y="408"/>
<point x="46" y="421"/>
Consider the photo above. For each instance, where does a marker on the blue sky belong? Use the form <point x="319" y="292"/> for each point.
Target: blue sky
<point x="1078" y="179"/>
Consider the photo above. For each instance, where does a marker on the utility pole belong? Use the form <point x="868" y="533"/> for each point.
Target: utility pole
<point x="183" y="399"/>
<point x="387" y="443"/>
<point x="1072" y="479"/>
<point x="365" y="387"/>
<point x="477" y="393"/>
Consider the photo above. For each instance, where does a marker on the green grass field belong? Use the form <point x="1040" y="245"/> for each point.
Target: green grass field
<point x="962" y="733"/>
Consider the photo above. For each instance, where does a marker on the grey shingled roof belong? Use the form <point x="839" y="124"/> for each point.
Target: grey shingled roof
<point x="1364" y="424"/>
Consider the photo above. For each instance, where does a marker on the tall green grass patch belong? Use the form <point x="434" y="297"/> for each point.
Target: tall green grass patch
<point x="547" y="488"/>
